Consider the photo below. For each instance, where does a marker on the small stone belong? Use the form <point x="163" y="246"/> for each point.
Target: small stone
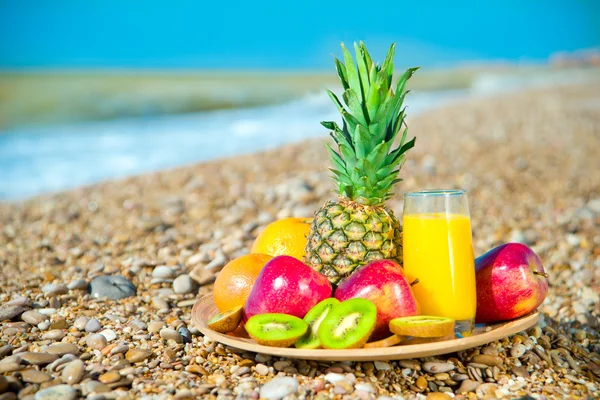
<point x="491" y="361"/>
<point x="59" y="324"/>
<point x="186" y="334"/>
<point x="279" y="387"/>
<point x="137" y="355"/>
<point x="5" y="350"/>
<point x="438" y="396"/>
<point x="113" y="287"/>
<point x="183" y="284"/>
<point x="34" y="376"/>
<point x="10" y="312"/>
<point x="81" y="322"/>
<point x="486" y="389"/>
<point x="110" y="377"/>
<point x="78" y="284"/>
<point x="160" y="304"/>
<point x="163" y="272"/>
<point x="60" y="349"/>
<point x="119" y="349"/>
<point x="365" y="387"/>
<point x="202" y="275"/>
<point x="171" y="334"/>
<point x="517" y="350"/>
<point x="262" y="369"/>
<point x="242" y="371"/>
<point x="96" y="341"/>
<point x="342" y="388"/>
<point x="37" y="358"/>
<point x="421" y="382"/>
<point x="138" y="324"/>
<point x="58" y="392"/>
<point x="55" y="289"/>
<point x="155" y="326"/>
<point x="33" y="317"/>
<point x="520" y="371"/>
<point x="333" y="377"/>
<point x="96" y="387"/>
<point x="93" y="325"/>
<point x="467" y="386"/>
<point x="382" y="366"/>
<point x="54" y="334"/>
<point x="196" y="369"/>
<point x="73" y="372"/>
<point x="594" y="205"/>
<point x="109" y="334"/>
<point x="433" y="367"/>
<point x="10" y="366"/>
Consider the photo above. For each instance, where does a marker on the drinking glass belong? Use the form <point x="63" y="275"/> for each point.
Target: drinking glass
<point x="438" y="251"/>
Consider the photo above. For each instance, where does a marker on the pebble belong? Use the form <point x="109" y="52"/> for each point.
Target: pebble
<point x="110" y="377"/>
<point x="113" y="287"/>
<point x="73" y="372"/>
<point x="3" y="384"/>
<point x="517" y="350"/>
<point x="486" y="389"/>
<point x="109" y="334"/>
<point x="160" y="304"/>
<point x="96" y="387"/>
<point x="54" y="334"/>
<point x="186" y="334"/>
<point x="10" y="312"/>
<point x="34" y="376"/>
<point x="279" y="387"/>
<point x="58" y="392"/>
<point x="119" y="349"/>
<point x="421" y="382"/>
<point x="137" y="324"/>
<point x="433" y="367"/>
<point x="467" y="386"/>
<point x="96" y="341"/>
<point x="163" y="272"/>
<point x="155" y="326"/>
<point x="54" y="289"/>
<point x="93" y="325"/>
<point x="81" y="322"/>
<point x="333" y="377"/>
<point x="78" y="284"/>
<point x="196" y="369"/>
<point x="171" y="334"/>
<point x="262" y="369"/>
<point x="33" y="317"/>
<point x="382" y="366"/>
<point x="60" y="349"/>
<point x="489" y="360"/>
<point x="137" y="355"/>
<point x="37" y="358"/>
<point x="365" y="387"/>
<point x="183" y="284"/>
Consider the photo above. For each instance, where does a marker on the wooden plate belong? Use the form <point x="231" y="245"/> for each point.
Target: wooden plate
<point x="205" y="308"/>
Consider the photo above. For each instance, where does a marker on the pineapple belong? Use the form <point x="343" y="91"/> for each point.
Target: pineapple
<point x="358" y="228"/>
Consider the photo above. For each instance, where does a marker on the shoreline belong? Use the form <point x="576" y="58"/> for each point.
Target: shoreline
<point x="528" y="160"/>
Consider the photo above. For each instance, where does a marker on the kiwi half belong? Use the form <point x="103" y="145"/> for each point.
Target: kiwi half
<point x="276" y="330"/>
<point x="387" y="342"/>
<point x="226" y="321"/>
<point x="348" y="325"/>
<point x="316" y="315"/>
<point x="422" y="326"/>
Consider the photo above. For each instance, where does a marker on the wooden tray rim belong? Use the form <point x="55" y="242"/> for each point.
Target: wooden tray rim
<point x="498" y="331"/>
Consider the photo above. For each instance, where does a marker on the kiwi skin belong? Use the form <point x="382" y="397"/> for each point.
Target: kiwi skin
<point x="387" y="342"/>
<point x="314" y="318"/>
<point x="226" y="321"/>
<point x="341" y="310"/>
<point x="285" y="341"/>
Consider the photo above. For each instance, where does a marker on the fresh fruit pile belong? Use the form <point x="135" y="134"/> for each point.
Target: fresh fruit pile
<point x="336" y="281"/>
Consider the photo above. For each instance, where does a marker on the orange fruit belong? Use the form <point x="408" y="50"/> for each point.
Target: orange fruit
<point x="284" y="237"/>
<point x="234" y="283"/>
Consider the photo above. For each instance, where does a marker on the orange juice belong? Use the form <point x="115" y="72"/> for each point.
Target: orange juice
<point x="438" y="250"/>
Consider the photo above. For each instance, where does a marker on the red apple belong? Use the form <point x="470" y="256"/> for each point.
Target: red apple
<point x="383" y="282"/>
<point x="288" y="286"/>
<point x="511" y="282"/>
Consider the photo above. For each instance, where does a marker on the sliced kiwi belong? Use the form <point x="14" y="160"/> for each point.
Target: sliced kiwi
<point x="387" y="342"/>
<point x="348" y="325"/>
<point x="226" y="321"/>
<point x="316" y="315"/>
<point x="276" y="330"/>
<point x="422" y="326"/>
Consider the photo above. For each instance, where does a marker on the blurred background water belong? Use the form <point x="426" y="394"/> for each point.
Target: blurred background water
<point x="97" y="90"/>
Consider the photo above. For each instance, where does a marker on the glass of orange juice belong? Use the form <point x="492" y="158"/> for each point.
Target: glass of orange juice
<point x="438" y="251"/>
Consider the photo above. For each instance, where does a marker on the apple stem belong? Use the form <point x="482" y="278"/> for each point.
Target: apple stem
<point x="414" y="282"/>
<point x="545" y="275"/>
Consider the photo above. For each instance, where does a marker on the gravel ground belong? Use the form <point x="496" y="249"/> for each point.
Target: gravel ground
<point x="530" y="162"/>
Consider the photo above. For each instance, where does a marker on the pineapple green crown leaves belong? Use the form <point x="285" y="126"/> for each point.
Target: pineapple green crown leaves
<point x="366" y="166"/>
